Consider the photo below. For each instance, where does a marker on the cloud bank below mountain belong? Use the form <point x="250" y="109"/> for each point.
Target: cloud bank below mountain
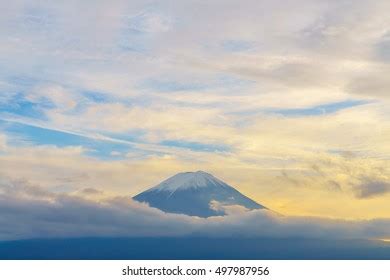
<point x="28" y="211"/>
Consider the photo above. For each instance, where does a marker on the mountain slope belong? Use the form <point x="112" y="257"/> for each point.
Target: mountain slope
<point x="192" y="193"/>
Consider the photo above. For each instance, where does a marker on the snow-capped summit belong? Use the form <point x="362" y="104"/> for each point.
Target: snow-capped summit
<point x="187" y="180"/>
<point x="194" y="193"/>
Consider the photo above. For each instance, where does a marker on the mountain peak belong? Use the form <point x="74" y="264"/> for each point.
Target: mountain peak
<point x="193" y="193"/>
<point x="187" y="180"/>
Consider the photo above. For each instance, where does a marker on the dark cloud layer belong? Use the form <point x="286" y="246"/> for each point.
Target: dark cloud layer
<point x="30" y="212"/>
<point x="371" y="188"/>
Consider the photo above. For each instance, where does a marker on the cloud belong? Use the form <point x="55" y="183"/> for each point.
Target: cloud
<point x="60" y="98"/>
<point x="371" y="188"/>
<point x="3" y="142"/>
<point x="227" y="209"/>
<point x="38" y="215"/>
<point x="140" y="75"/>
<point x="382" y="48"/>
<point x="150" y="22"/>
<point x="372" y="84"/>
<point x="91" y="191"/>
<point x="270" y="163"/>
